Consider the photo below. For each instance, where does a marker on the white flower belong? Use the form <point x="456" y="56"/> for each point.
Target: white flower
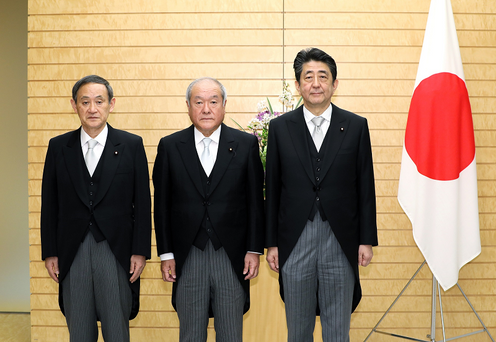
<point x="262" y="106"/>
<point x="266" y="119"/>
<point x="286" y="98"/>
<point x="255" y="124"/>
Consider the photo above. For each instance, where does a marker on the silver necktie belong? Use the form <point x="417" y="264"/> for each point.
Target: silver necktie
<point x="206" y="159"/>
<point x="90" y="157"/>
<point x="317" y="135"/>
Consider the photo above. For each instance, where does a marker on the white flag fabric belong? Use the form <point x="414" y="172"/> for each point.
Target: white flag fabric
<point x="438" y="179"/>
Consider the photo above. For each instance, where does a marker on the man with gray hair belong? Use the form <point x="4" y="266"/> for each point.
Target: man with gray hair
<point x="209" y="219"/>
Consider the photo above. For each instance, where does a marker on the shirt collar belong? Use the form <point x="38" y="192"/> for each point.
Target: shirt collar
<point x="215" y="136"/>
<point x="100" y="138"/>
<point x="309" y="116"/>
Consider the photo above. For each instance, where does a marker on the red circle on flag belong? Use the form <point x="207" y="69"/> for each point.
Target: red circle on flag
<point x="439" y="135"/>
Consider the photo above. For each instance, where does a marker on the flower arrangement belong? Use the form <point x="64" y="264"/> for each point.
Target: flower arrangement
<point x="259" y="125"/>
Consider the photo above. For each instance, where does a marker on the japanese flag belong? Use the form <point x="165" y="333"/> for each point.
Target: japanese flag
<point x="438" y="179"/>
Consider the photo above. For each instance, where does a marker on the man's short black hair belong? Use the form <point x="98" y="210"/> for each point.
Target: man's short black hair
<point x="313" y="54"/>
<point x="92" y="79"/>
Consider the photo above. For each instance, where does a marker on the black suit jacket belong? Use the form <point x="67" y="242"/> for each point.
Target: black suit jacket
<point x="235" y="203"/>
<point x="121" y="208"/>
<point x="347" y="192"/>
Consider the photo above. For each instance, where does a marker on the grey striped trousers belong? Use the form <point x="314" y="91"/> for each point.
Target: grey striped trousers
<point x="317" y="271"/>
<point x="97" y="287"/>
<point x="208" y="278"/>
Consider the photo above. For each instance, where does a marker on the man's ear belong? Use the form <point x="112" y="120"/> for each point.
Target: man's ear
<point x="297" y="86"/>
<point x="112" y="104"/>
<point x="335" y="84"/>
<point x="74" y="105"/>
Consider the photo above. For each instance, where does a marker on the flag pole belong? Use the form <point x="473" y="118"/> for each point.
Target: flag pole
<point x="436" y="293"/>
<point x="436" y="289"/>
<point x="432" y="336"/>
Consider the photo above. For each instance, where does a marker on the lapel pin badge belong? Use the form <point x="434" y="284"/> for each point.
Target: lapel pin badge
<point x="342" y="129"/>
<point x="116" y="152"/>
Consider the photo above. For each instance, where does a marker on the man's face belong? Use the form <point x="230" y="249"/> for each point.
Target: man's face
<point x="205" y="109"/>
<point x="93" y="107"/>
<point x="316" y="86"/>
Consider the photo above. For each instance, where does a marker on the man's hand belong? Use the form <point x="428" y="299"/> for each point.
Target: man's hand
<point x="273" y="258"/>
<point x="168" y="270"/>
<point x="138" y="263"/>
<point x="52" y="266"/>
<point x="252" y="263"/>
<point x="365" y="255"/>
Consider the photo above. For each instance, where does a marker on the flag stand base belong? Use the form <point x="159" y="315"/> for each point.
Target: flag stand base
<point x="432" y="336"/>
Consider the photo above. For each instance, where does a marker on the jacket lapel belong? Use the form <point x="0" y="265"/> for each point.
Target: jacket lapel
<point x="334" y="137"/>
<point x="188" y="153"/>
<point x="75" y="164"/>
<point x="225" y="153"/>
<point x="111" y="157"/>
<point x="296" y="128"/>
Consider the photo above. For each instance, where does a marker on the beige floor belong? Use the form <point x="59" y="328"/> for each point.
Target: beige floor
<point x="15" y="327"/>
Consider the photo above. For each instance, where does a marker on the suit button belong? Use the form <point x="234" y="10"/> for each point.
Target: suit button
<point x="318" y="199"/>
<point x="91" y="202"/>
<point x="318" y="160"/>
<point x="91" y="193"/>
<point x="91" y="183"/>
<point x="317" y="179"/>
<point x="204" y="203"/>
<point x="208" y="218"/>
<point x="208" y="182"/>
<point x="209" y="230"/>
<point x="91" y="223"/>
<point x="318" y="169"/>
<point x="208" y="203"/>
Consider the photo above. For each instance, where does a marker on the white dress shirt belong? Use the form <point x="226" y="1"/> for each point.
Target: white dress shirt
<point x="213" y="147"/>
<point x="325" y="124"/>
<point x="100" y="138"/>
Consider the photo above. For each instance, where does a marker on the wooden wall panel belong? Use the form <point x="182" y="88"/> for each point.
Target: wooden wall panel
<point x="155" y="21"/>
<point x="386" y="6"/>
<point x="146" y="71"/>
<point x="154" y="54"/>
<point x="150" y="51"/>
<point x="153" y="38"/>
<point x="144" y="6"/>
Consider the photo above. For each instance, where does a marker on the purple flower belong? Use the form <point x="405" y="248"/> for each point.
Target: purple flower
<point x="261" y="115"/>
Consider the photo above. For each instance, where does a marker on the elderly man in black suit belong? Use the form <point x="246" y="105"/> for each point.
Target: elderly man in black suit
<point x="321" y="213"/>
<point x="209" y="224"/>
<point x="96" y="217"/>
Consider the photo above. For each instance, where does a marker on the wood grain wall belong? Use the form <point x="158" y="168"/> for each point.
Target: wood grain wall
<point x="150" y="50"/>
